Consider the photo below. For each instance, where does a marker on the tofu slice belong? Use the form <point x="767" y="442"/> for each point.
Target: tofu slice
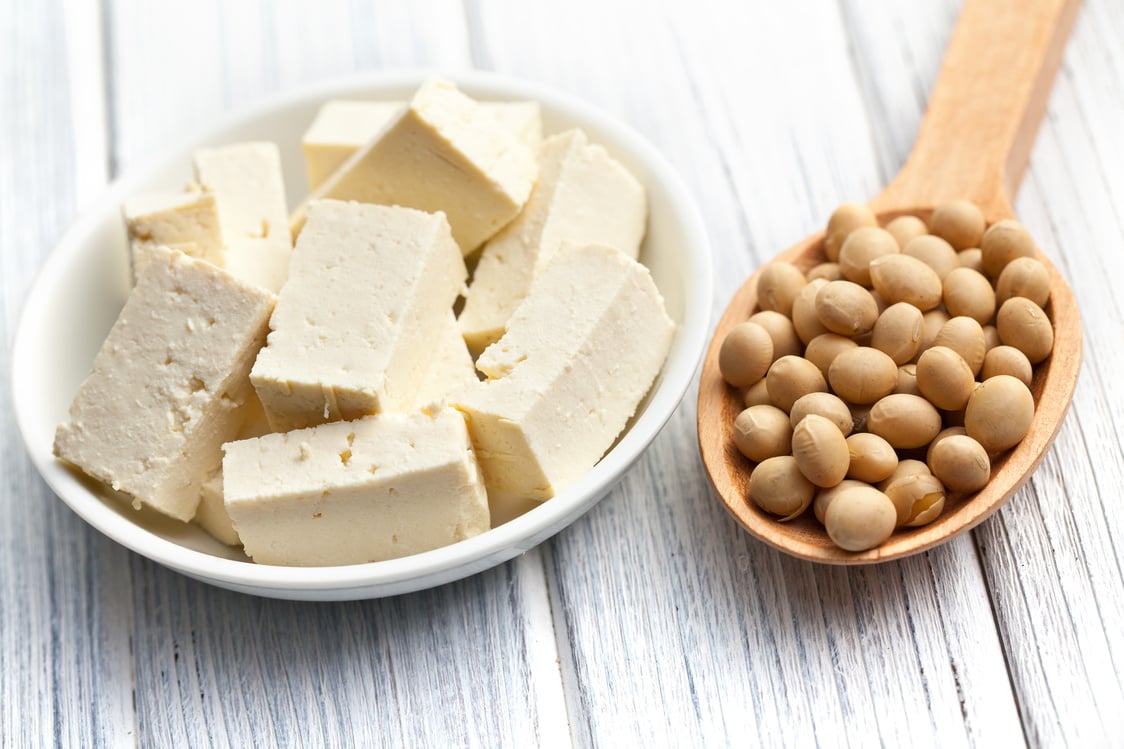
<point x="369" y="286"/>
<point x="340" y="128"/>
<point x="167" y="385"/>
<point x="578" y="356"/>
<point x="450" y="370"/>
<point x="249" y="193"/>
<point x="343" y="126"/>
<point x="442" y="153"/>
<point x="583" y="196"/>
<point x="188" y="222"/>
<point x="211" y="514"/>
<point x="381" y="487"/>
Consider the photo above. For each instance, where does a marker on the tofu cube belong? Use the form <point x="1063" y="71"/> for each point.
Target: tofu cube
<point x="342" y="127"/>
<point x="188" y="222"/>
<point x="249" y="193"/>
<point x="583" y="196"/>
<point x="441" y="153"/>
<point x="370" y="285"/>
<point x="168" y="384"/>
<point x="378" y="488"/>
<point x="578" y="356"/>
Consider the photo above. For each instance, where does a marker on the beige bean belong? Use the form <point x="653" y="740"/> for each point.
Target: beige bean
<point x="960" y="222"/>
<point x="827" y="271"/>
<point x="934" y="252"/>
<point x="756" y="394"/>
<point x="829" y="406"/>
<point x="901" y="278"/>
<point x="931" y="324"/>
<point x="971" y="258"/>
<point x="944" y="378"/>
<point x="897" y="332"/>
<point x="745" y="355"/>
<point x="1007" y="360"/>
<point x="991" y="337"/>
<point x="762" y="432"/>
<point x="844" y="220"/>
<point x="1003" y="242"/>
<point x="860" y="248"/>
<point x="1023" y="324"/>
<point x="968" y="293"/>
<point x="781" y="330"/>
<point x="789" y="378"/>
<point x="824" y="496"/>
<point x="823" y="349"/>
<point x="905" y="421"/>
<point x="907" y="467"/>
<point x="961" y="463"/>
<point x="777" y="286"/>
<point x="907" y="380"/>
<point x="999" y="413"/>
<point x="1026" y="277"/>
<point x="872" y="458"/>
<point x="846" y="308"/>
<point x="905" y="228"/>
<point x="804" y="318"/>
<point x="777" y="486"/>
<point x="859" y="518"/>
<point x="820" y="450"/>
<point x="946" y="432"/>
<point x="863" y="375"/>
<point x="914" y="498"/>
<point x="965" y="336"/>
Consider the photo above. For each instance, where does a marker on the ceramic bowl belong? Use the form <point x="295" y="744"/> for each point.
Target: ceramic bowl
<point x="84" y="282"/>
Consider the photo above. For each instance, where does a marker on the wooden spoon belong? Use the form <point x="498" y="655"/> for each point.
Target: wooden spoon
<point x="974" y="143"/>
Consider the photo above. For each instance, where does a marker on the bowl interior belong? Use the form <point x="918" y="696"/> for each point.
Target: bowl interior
<point x="84" y="283"/>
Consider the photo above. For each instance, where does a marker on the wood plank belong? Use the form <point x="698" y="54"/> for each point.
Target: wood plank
<point x="64" y="627"/>
<point x="471" y="663"/>
<point x="682" y="629"/>
<point x="1052" y="557"/>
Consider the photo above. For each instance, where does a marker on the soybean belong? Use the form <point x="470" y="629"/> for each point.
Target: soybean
<point x="777" y="286"/>
<point x="820" y="451"/>
<point x="762" y="432"/>
<point x="777" y="486"/>
<point x="1023" y="324"/>
<point x="745" y="355"/>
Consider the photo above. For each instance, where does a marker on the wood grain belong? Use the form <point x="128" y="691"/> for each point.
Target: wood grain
<point x="670" y="624"/>
<point x="65" y="660"/>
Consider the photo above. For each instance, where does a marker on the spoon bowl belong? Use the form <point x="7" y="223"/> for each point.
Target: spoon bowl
<point x="974" y="144"/>
<point x="804" y="537"/>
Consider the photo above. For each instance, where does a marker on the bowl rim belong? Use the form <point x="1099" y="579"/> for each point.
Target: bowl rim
<point x="431" y="567"/>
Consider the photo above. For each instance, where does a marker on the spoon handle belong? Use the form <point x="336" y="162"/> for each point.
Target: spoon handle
<point x="985" y="108"/>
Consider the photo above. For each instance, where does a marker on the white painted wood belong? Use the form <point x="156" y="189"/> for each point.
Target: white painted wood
<point x="654" y="619"/>
<point x="472" y="663"/>
<point x="65" y="664"/>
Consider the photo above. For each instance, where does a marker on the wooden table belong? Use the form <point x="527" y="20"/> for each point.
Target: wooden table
<point x="654" y="620"/>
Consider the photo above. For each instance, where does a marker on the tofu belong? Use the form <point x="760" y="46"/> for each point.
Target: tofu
<point x="249" y="193"/>
<point x="378" y="488"/>
<point x="211" y="514"/>
<point x="583" y="196"/>
<point x="188" y="222"/>
<point x="442" y="153"/>
<point x="370" y="285"/>
<point x="342" y="127"/>
<point x="578" y="356"/>
<point x="167" y="385"/>
<point x="450" y="370"/>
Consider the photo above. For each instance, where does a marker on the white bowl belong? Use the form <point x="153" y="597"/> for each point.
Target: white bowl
<point x="84" y="282"/>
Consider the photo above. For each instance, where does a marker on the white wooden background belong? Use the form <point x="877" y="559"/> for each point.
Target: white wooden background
<point x="654" y="620"/>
